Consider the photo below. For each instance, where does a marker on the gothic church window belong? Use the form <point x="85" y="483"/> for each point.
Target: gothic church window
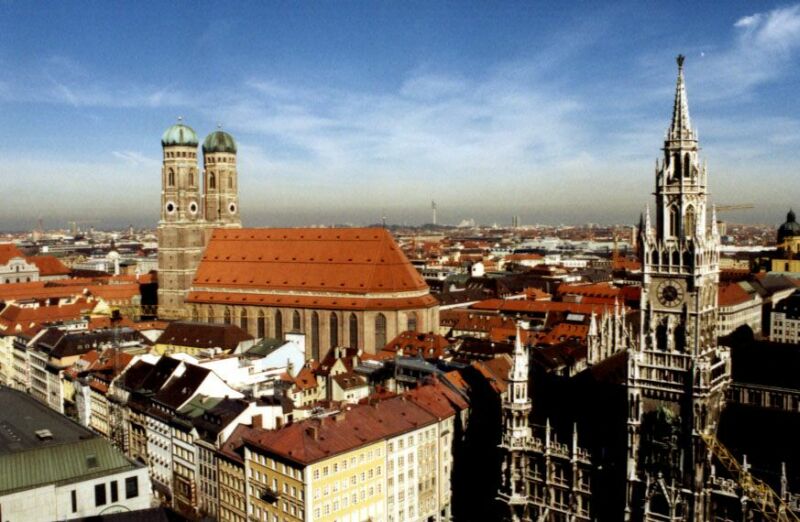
<point x="171" y="178"/>
<point x="227" y="316"/>
<point x="278" y="325"/>
<point x="315" y="336"/>
<point x="261" y="324"/>
<point x="673" y="221"/>
<point x="687" y="166"/>
<point x="296" y="321"/>
<point x="243" y="320"/>
<point x="212" y="181"/>
<point x="689" y="222"/>
<point x="334" y="329"/>
<point x="353" y="331"/>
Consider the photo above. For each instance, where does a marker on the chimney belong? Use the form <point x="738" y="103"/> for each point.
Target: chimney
<point x="313" y="432"/>
<point x="258" y="422"/>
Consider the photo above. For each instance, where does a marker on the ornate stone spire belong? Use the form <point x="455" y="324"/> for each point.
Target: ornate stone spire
<point x="681" y="126"/>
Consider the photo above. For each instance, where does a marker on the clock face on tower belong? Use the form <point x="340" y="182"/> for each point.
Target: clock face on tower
<point x="669" y="293"/>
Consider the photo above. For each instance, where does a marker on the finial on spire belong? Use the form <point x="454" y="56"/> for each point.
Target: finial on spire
<point x="180" y="119"/>
<point x="681" y="126"/>
<point x="219" y="125"/>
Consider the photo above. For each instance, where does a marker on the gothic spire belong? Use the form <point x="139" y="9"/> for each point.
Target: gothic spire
<point x="681" y="126"/>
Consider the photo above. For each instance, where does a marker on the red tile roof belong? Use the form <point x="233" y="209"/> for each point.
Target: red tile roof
<point x="357" y="262"/>
<point x="7" y="252"/>
<point x="15" y="319"/>
<point x="732" y="294"/>
<point x="428" y="345"/>
<point x="313" y="440"/>
<point x="49" y="266"/>
<point x="318" y="302"/>
<point x="520" y="306"/>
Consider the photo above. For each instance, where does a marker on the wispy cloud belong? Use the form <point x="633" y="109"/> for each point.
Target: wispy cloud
<point x="765" y="48"/>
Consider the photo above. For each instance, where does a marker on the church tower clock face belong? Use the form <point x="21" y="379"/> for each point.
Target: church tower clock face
<point x="669" y="293"/>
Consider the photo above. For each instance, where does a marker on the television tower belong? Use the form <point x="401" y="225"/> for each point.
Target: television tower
<point x="433" y="209"/>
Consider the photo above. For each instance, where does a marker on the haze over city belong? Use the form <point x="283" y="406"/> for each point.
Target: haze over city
<point x="345" y="112"/>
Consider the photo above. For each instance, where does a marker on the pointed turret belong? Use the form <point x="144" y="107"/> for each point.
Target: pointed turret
<point x="681" y="126"/>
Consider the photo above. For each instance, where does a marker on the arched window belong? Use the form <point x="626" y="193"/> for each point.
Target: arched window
<point x="191" y="179"/>
<point x="243" y="320"/>
<point x="661" y="337"/>
<point x="212" y="181"/>
<point x="261" y="324"/>
<point x="296" y="322"/>
<point x="334" y="329"/>
<point x="680" y="338"/>
<point x="171" y="178"/>
<point x="676" y="165"/>
<point x="353" y="331"/>
<point x="687" y="166"/>
<point x="380" y="332"/>
<point x="411" y="323"/>
<point x="689" y="222"/>
<point x="210" y="316"/>
<point x="278" y="325"/>
<point x="230" y="182"/>
<point x="673" y="221"/>
<point x="315" y="336"/>
<point x="226" y="318"/>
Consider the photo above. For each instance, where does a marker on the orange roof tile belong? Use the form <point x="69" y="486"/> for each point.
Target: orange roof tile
<point x="732" y="294"/>
<point x="312" y="440"/>
<point x="357" y="261"/>
<point x="49" y="266"/>
<point x="428" y="345"/>
<point x="520" y="306"/>
<point x="321" y="302"/>
<point x="7" y="252"/>
<point x="15" y="319"/>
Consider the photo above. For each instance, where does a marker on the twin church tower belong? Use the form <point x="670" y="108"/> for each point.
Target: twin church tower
<point x="192" y="206"/>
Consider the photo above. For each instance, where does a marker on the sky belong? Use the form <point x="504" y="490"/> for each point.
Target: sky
<point x="347" y="111"/>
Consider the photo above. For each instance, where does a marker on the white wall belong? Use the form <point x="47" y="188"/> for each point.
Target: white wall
<point x="49" y="503"/>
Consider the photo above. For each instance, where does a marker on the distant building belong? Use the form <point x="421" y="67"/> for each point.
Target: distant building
<point x="788" y="241"/>
<point x="785" y="320"/>
<point x="54" y="469"/>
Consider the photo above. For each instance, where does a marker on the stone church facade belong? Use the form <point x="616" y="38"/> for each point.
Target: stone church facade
<point x="192" y="206"/>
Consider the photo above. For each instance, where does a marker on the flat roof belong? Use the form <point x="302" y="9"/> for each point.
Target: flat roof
<point x="21" y="416"/>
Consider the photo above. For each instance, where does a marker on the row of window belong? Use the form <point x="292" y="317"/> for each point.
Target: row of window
<point x="212" y="179"/>
<point x="347" y="500"/>
<point x="297" y="326"/>
<point x="101" y="493"/>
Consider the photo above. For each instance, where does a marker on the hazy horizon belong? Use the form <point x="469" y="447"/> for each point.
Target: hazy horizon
<point x="347" y="112"/>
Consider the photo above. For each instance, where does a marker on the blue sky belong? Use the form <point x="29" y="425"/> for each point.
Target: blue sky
<point x="347" y="110"/>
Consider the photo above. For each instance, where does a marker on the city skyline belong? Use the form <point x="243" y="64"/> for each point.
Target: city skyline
<point x="492" y="113"/>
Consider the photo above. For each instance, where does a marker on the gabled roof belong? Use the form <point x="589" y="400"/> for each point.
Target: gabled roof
<point x="203" y="335"/>
<point x="428" y="345"/>
<point x="180" y="389"/>
<point x="159" y="374"/>
<point x="357" y="261"/>
<point x="317" y="439"/>
<point x="732" y="294"/>
<point x="49" y="266"/>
